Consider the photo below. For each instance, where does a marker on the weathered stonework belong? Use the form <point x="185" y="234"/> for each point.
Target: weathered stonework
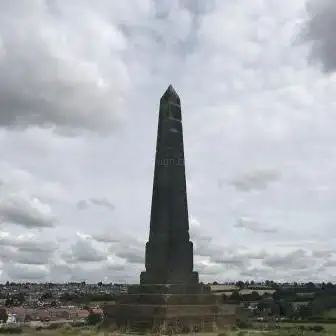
<point x="169" y="252"/>
<point x="171" y="309"/>
<point x="169" y="296"/>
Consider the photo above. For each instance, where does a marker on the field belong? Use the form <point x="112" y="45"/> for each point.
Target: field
<point x="259" y="291"/>
<point x="331" y="313"/>
<point x="229" y="289"/>
<point x="295" y="329"/>
<point x="289" y="329"/>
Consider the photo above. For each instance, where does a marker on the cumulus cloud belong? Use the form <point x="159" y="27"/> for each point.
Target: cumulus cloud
<point x="204" y="245"/>
<point x="28" y="242"/>
<point x="99" y="202"/>
<point x="29" y="212"/>
<point x="132" y="251"/>
<point x="84" y="251"/>
<point x="68" y="80"/>
<point x="70" y="67"/>
<point x="26" y="250"/>
<point x="19" y="272"/>
<point x="31" y="258"/>
<point x="206" y="268"/>
<point x="27" y="183"/>
<point x="254" y="226"/>
<point x="197" y="232"/>
<point x="257" y="180"/>
<point x="291" y="264"/>
<point x="123" y="246"/>
<point x="114" y="235"/>
<point x="231" y="260"/>
<point x="106" y="237"/>
<point x="319" y="32"/>
<point x="105" y="272"/>
<point x="297" y="259"/>
<point x="323" y="253"/>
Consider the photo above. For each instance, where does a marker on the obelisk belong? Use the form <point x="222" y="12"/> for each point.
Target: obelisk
<point x="169" y="299"/>
<point x="169" y="251"/>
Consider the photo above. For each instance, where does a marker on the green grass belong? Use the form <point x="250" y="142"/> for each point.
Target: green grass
<point x="293" y="329"/>
<point x="331" y="313"/>
<point x="285" y="329"/>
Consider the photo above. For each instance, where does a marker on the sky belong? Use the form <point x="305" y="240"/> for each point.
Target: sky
<point x="80" y="87"/>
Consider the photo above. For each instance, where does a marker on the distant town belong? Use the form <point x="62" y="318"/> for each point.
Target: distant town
<point x="45" y="304"/>
<point x="41" y="305"/>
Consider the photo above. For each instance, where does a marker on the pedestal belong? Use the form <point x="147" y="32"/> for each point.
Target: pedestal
<point x="161" y="308"/>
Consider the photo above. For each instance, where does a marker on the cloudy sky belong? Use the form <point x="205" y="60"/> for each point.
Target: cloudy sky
<point x="79" y="93"/>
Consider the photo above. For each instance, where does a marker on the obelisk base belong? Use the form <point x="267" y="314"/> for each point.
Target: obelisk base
<point x="168" y="312"/>
<point x="148" y="279"/>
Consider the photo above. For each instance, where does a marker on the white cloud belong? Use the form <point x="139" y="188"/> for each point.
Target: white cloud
<point x="26" y="211"/>
<point x="254" y="226"/>
<point x="84" y="251"/>
<point x="100" y="202"/>
<point x="29" y="273"/>
<point x="258" y="133"/>
<point x="131" y="250"/>
<point x="28" y="242"/>
<point x="67" y="78"/>
<point x="257" y="180"/>
<point x="318" y="30"/>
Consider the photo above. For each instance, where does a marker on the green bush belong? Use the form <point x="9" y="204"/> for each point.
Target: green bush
<point x="242" y="333"/>
<point x="11" y="330"/>
<point x="317" y="328"/>
<point x="93" y="319"/>
<point x="223" y="333"/>
<point x="243" y="324"/>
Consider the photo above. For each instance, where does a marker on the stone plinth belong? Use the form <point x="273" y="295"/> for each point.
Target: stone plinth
<point x="143" y="311"/>
<point x="196" y="288"/>
<point x="176" y="318"/>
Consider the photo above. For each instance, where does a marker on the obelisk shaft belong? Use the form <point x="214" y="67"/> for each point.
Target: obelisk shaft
<point x="169" y="252"/>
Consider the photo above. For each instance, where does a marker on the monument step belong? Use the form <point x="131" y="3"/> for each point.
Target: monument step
<point x="168" y="299"/>
<point x="169" y="289"/>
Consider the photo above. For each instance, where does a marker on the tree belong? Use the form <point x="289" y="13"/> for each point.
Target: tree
<point x="262" y="305"/>
<point x="305" y="311"/>
<point x="46" y="296"/>
<point x="310" y="285"/>
<point x="28" y="318"/>
<point x="70" y="297"/>
<point x="240" y="284"/>
<point x="93" y="318"/>
<point x="286" y="308"/>
<point x="235" y="296"/>
<point x="254" y="296"/>
<point x="19" y="298"/>
<point x="8" y="302"/>
<point x="3" y="315"/>
<point x="275" y="309"/>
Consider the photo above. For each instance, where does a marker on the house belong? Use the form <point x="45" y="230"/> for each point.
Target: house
<point x="19" y="312"/>
<point x="82" y="314"/>
<point x="98" y="311"/>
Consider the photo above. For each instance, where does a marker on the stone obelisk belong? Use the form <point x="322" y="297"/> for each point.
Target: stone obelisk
<point x="169" y="251"/>
<point x="169" y="297"/>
